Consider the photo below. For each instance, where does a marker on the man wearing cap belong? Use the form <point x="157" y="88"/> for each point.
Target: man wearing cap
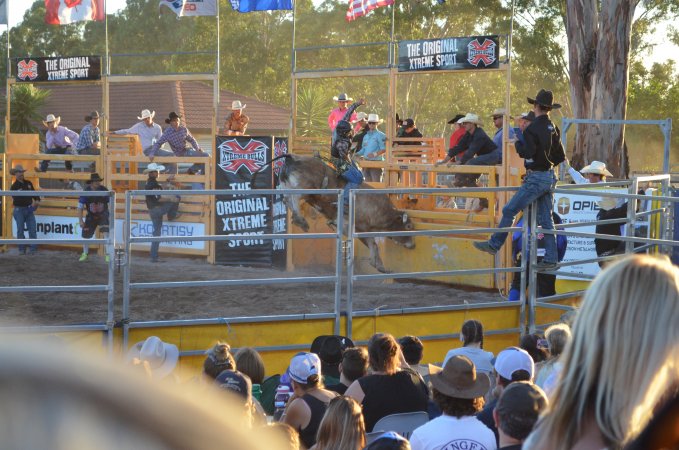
<point x="236" y="123"/>
<point x="511" y="364"/>
<point x="89" y="142"/>
<point x="158" y="206"/>
<point x="458" y="131"/>
<point x="373" y="149"/>
<point x="408" y="130"/>
<point x="338" y="113"/>
<point x="177" y="135"/>
<point x="541" y="152"/>
<point x="517" y="412"/>
<point x="24" y="208"/>
<point x="58" y="141"/>
<point x="498" y="120"/>
<point x="96" y="213"/>
<point x="458" y="391"/>
<point x="523" y="121"/>
<point x="148" y="131"/>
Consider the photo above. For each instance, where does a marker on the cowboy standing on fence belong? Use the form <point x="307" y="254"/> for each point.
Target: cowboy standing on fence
<point x="24" y="208"/>
<point x="59" y="141"/>
<point x="338" y="113"/>
<point x="96" y="213"/>
<point x="159" y="205"/>
<point x="236" y="123"/>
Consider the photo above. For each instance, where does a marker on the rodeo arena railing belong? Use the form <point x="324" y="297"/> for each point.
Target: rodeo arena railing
<point x="661" y="211"/>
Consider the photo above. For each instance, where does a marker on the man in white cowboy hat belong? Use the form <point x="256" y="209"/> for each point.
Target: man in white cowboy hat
<point x="58" y="141"/>
<point x="148" y="131"/>
<point x="24" y="208"/>
<point x="159" y="358"/>
<point x="89" y="142"/>
<point x="475" y="146"/>
<point x="236" y="123"/>
<point x="541" y="151"/>
<point x="595" y="172"/>
<point x="373" y="149"/>
<point x="338" y="113"/>
<point x="159" y="205"/>
<point x="498" y="120"/>
<point x="96" y="213"/>
<point x="458" y="391"/>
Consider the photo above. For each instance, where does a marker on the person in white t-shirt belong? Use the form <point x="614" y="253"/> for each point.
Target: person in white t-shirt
<point x="458" y="390"/>
<point x="472" y="347"/>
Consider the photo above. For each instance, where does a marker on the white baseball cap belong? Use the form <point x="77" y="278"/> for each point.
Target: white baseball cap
<point x="304" y="365"/>
<point x="512" y="359"/>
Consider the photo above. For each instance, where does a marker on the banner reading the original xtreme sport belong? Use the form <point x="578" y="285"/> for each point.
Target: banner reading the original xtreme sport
<point x="453" y="53"/>
<point x="71" y="68"/>
<point x="237" y="159"/>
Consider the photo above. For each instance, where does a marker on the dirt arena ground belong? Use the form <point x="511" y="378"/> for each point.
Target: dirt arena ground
<point x="52" y="267"/>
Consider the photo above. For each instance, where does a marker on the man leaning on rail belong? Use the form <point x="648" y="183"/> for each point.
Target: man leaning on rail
<point x="541" y="151"/>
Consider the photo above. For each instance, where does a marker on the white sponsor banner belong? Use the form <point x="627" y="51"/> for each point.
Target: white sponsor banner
<point x="143" y="228"/>
<point x="53" y="227"/>
<point x="574" y="208"/>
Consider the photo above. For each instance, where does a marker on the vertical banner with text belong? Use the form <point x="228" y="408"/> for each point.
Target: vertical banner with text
<point x="280" y="212"/>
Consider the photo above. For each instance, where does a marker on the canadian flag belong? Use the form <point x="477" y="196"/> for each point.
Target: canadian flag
<point x="61" y="12"/>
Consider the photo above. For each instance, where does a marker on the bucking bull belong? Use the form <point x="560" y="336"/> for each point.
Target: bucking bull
<point x="373" y="212"/>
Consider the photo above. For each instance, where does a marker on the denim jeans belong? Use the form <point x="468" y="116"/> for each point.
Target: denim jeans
<point x="24" y="218"/>
<point x="55" y="151"/>
<point x="537" y="186"/>
<point x="157" y="213"/>
<point x="190" y="152"/>
<point x="354" y="178"/>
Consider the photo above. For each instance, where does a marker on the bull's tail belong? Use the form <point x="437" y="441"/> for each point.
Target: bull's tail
<point x="253" y="178"/>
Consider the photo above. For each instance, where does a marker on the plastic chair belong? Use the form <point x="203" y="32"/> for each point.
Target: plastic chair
<point x="402" y="423"/>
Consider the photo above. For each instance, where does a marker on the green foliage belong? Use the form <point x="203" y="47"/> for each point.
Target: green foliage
<point x="25" y="103"/>
<point x="312" y="112"/>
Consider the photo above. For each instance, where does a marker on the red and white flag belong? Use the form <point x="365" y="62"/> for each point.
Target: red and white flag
<point x="191" y="7"/>
<point x="61" y="12"/>
<point x="358" y="8"/>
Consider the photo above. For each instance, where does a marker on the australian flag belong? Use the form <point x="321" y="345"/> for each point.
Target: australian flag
<point x="260" y="5"/>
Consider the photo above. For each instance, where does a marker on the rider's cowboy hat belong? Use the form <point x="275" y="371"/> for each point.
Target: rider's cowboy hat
<point x="51" y="118"/>
<point x="544" y="98"/>
<point x="343" y="97"/>
<point x="598" y="168"/>
<point x="145" y="114"/>
<point x="470" y="118"/>
<point x="94" y="177"/>
<point x="153" y="167"/>
<point x="374" y="118"/>
<point x="236" y="105"/>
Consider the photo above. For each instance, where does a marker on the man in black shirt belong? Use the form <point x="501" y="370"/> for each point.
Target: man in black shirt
<point x="541" y="151"/>
<point x="24" y="208"/>
<point x="96" y="213"/>
<point x="159" y="205"/>
<point x="408" y="130"/>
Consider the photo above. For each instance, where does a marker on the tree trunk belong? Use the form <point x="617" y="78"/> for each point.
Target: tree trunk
<point x="600" y="44"/>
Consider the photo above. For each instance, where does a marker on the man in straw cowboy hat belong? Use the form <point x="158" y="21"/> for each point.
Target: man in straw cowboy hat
<point x="96" y="213"/>
<point x="24" y="208"/>
<point x="177" y="135"/>
<point x="593" y="173"/>
<point x="157" y="357"/>
<point x="458" y="391"/>
<point x="148" y="131"/>
<point x="58" y="141"/>
<point x="89" y="142"/>
<point x="159" y="205"/>
<point x="338" y="113"/>
<point x="236" y="123"/>
<point x="373" y="148"/>
<point x="475" y="146"/>
<point x="541" y="151"/>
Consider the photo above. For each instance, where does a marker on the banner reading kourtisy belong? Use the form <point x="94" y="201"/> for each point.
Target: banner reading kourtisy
<point x="452" y="53"/>
<point x="237" y="159"/>
<point x="71" y="68"/>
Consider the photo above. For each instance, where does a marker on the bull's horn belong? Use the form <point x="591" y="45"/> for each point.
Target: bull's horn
<point x="405" y="217"/>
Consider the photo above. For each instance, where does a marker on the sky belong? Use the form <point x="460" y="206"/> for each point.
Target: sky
<point x="660" y="52"/>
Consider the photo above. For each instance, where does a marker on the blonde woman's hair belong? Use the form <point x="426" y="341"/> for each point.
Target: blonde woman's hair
<point x="342" y="426"/>
<point x="557" y="336"/>
<point x="623" y="356"/>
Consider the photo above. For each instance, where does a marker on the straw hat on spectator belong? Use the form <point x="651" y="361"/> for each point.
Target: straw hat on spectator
<point x="343" y="97"/>
<point x="471" y="118"/>
<point x="145" y="114"/>
<point x="161" y="357"/>
<point x="360" y="116"/>
<point x="51" y="118"/>
<point x="459" y="379"/>
<point x="598" y="168"/>
<point x="153" y="167"/>
<point x="237" y="106"/>
<point x="374" y="118"/>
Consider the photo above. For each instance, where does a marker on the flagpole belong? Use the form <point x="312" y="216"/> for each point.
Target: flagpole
<point x="108" y="71"/>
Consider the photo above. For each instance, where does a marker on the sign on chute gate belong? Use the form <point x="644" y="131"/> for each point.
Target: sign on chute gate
<point x="70" y="68"/>
<point x="453" y="53"/>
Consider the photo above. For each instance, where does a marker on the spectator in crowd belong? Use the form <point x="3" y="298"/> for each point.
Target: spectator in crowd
<point x="541" y="152"/>
<point x="24" y="208"/>
<point x="281" y="436"/>
<point x="218" y="359"/>
<point x="413" y="351"/>
<point x="389" y="441"/>
<point x="342" y="426"/>
<point x="458" y="131"/>
<point x="535" y="345"/>
<point x="159" y="205"/>
<point x="390" y="374"/>
<point x="517" y="412"/>
<point x="160" y="357"/>
<point x="58" y="141"/>
<point x="498" y="119"/>
<point x="557" y="337"/>
<point x="593" y="173"/>
<point x="373" y="148"/>
<point x="96" y="213"/>
<point x="471" y="336"/>
<point x="148" y="131"/>
<point x="360" y="129"/>
<point x="338" y="113"/>
<point x="512" y="364"/>
<point x="250" y="362"/>
<point x="89" y="141"/>
<point x="408" y="130"/>
<point x="177" y="135"/>
<point x="354" y="365"/>
<point x="606" y="395"/>
<point x="306" y="408"/>
<point x="458" y="391"/>
<point x="240" y="386"/>
<point x="236" y="123"/>
<point x="522" y="122"/>
<point x="330" y="349"/>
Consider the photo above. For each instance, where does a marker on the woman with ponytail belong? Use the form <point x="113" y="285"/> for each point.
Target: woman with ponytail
<point x="471" y="336"/>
